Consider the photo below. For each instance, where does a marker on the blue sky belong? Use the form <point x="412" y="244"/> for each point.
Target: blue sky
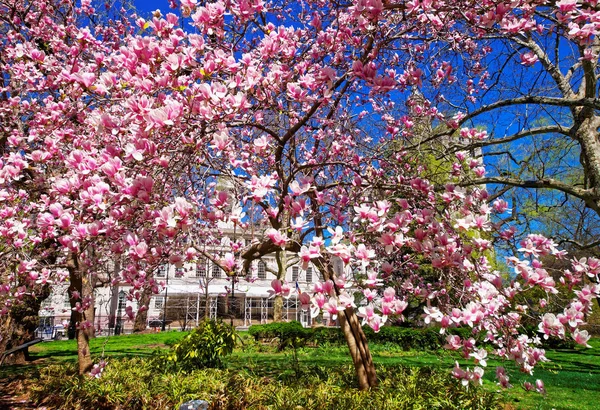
<point x="146" y="6"/>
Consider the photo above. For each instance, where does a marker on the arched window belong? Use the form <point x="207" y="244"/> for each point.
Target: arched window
<point x="201" y="268"/>
<point x="216" y="271"/>
<point x="262" y="270"/>
<point x="309" y="274"/>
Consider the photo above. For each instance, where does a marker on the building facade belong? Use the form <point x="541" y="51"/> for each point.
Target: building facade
<point x="191" y="293"/>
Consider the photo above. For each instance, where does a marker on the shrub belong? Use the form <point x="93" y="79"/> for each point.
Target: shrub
<point x="291" y="334"/>
<point x="404" y="337"/>
<point x="133" y="384"/>
<point x="463" y="332"/>
<point x="204" y="347"/>
<point x="327" y="335"/>
<point x="407" y="338"/>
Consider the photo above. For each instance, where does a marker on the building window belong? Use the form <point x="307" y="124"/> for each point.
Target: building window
<point x="295" y="271"/>
<point x="262" y="270"/>
<point x="309" y="274"/>
<point x="66" y="301"/>
<point x="178" y="272"/>
<point x="162" y="271"/>
<point x="216" y="271"/>
<point x="159" y="302"/>
<point x="201" y="268"/>
<point x="122" y="301"/>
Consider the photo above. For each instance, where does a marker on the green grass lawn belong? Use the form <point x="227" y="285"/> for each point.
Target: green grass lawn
<point x="125" y="345"/>
<point x="572" y="377"/>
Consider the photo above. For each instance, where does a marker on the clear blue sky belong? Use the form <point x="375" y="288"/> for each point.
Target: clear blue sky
<point x="146" y="6"/>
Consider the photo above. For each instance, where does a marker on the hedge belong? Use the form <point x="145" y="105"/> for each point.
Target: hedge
<point x="406" y="338"/>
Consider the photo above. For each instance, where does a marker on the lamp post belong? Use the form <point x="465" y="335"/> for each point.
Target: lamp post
<point x="120" y="303"/>
<point x="164" y="321"/>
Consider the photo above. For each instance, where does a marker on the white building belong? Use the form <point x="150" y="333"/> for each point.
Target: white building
<point x="191" y="293"/>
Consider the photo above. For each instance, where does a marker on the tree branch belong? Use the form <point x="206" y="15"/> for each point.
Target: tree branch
<point x="544" y="183"/>
<point x="514" y="137"/>
<point x="581" y="245"/>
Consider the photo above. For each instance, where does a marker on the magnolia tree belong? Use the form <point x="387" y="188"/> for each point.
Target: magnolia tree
<point x="76" y="191"/>
<point x="116" y="138"/>
<point x="306" y="169"/>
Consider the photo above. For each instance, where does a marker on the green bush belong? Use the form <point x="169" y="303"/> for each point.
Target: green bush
<point x="463" y="332"/>
<point x="134" y="384"/>
<point x="204" y="347"/>
<point x="407" y="338"/>
<point x="291" y="334"/>
<point x="327" y="335"/>
<point x="404" y="337"/>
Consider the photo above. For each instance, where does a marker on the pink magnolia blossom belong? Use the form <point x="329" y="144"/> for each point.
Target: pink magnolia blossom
<point x="279" y="288"/>
<point x="276" y="237"/>
<point x="581" y="337"/>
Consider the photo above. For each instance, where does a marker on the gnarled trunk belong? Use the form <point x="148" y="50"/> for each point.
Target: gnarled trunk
<point x="18" y="326"/>
<point x="90" y="312"/>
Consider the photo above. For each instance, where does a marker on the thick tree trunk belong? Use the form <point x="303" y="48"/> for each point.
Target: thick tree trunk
<point x="19" y="325"/>
<point x="281" y="259"/>
<point x="590" y="157"/>
<point x="278" y="308"/>
<point x="355" y="337"/>
<point x="80" y="284"/>
<point x="141" y="317"/>
<point x="359" y="349"/>
<point x="90" y="312"/>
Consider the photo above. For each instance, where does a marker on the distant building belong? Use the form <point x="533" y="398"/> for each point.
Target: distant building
<point x="192" y="292"/>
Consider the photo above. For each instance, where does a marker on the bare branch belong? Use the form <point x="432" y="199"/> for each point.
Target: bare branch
<point x="581" y="245"/>
<point x="545" y="183"/>
<point x="514" y="137"/>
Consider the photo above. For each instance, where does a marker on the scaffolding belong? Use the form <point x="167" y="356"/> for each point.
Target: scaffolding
<point x="187" y="310"/>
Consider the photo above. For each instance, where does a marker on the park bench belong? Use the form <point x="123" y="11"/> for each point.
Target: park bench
<point x="16" y="349"/>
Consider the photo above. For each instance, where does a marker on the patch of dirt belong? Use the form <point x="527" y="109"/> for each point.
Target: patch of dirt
<point x="13" y="396"/>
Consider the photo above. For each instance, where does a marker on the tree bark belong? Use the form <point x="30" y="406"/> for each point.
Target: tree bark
<point x="359" y="349"/>
<point x="281" y="259"/>
<point x="587" y="135"/>
<point x="19" y="325"/>
<point x="141" y="317"/>
<point x="80" y="283"/>
<point x="90" y="312"/>
<point x="353" y="333"/>
<point x="278" y="308"/>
